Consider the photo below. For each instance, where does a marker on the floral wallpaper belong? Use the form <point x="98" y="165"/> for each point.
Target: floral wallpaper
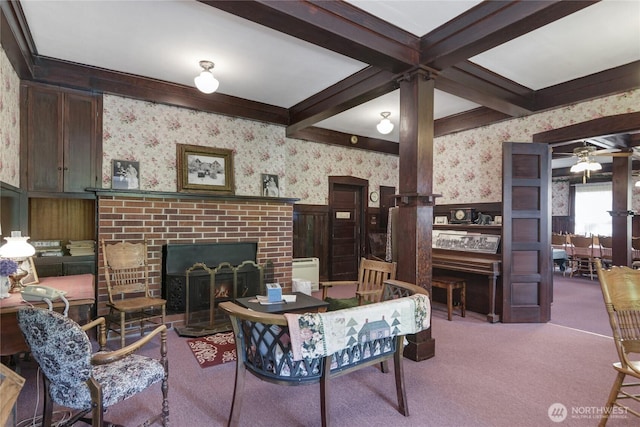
<point x="148" y="133"/>
<point x="475" y="156"/>
<point x="10" y="119"/>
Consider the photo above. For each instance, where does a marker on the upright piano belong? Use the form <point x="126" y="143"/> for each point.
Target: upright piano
<point x="488" y="265"/>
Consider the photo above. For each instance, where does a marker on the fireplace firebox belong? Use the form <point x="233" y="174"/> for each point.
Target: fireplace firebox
<point x="178" y="258"/>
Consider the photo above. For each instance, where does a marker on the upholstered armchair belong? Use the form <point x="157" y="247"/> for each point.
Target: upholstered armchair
<point x="76" y="378"/>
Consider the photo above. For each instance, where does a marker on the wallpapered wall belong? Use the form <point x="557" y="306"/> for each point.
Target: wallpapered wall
<point x="467" y="165"/>
<point x="9" y="122"/>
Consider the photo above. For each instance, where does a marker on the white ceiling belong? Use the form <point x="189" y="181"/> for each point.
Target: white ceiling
<point x="166" y="40"/>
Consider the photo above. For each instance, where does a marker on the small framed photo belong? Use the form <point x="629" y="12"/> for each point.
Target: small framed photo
<point x="32" y="275"/>
<point x="125" y="175"/>
<point x="270" y="187"/>
<point x="497" y="220"/>
<point x="204" y="169"/>
<point x="439" y="220"/>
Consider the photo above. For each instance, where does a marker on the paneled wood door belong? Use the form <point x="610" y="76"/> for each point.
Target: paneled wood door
<point x="347" y="214"/>
<point x="526" y="234"/>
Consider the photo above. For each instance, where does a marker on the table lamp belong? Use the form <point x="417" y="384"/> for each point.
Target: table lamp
<point x="17" y="249"/>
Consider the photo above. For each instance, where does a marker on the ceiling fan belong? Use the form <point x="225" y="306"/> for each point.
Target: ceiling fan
<point x="586" y="162"/>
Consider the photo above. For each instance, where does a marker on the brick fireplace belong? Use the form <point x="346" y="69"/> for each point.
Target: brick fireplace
<point x="170" y="218"/>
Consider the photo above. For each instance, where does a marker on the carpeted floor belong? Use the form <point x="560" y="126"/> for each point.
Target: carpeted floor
<point x="482" y="375"/>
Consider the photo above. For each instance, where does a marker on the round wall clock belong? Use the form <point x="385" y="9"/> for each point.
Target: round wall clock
<point x="373" y="196"/>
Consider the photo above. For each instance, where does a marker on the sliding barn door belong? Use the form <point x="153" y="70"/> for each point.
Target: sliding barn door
<point x="526" y="247"/>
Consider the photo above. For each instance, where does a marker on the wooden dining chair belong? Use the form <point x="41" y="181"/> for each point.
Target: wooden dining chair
<point x="582" y="255"/>
<point x="130" y="301"/>
<point x="371" y="277"/>
<point x="605" y="244"/>
<point x="621" y="292"/>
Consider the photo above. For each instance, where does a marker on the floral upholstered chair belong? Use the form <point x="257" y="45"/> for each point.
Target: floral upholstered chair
<point x="77" y="379"/>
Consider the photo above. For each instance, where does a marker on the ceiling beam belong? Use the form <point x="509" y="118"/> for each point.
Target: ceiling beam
<point x="487" y="25"/>
<point x="53" y="71"/>
<point x="332" y="137"/>
<point x="337" y="26"/>
<point x="615" y="80"/>
<point x="356" y="89"/>
<point x="600" y="127"/>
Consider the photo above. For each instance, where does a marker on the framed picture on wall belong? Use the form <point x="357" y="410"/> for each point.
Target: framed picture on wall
<point x="204" y="169"/>
<point x="125" y="175"/>
<point x="270" y="187"/>
<point x="32" y="275"/>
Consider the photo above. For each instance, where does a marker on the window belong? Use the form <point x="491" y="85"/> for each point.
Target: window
<point x="593" y="203"/>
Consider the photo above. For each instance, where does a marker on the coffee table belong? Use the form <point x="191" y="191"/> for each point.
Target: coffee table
<point x="304" y="304"/>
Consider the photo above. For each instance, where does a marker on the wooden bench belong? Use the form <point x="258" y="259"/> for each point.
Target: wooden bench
<point x="450" y="283"/>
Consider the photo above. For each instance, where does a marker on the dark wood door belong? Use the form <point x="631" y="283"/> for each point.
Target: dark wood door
<point x="347" y="212"/>
<point x="80" y="148"/>
<point x="526" y="233"/>
<point x="44" y="139"/>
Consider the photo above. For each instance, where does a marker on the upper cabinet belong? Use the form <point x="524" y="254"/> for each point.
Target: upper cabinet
<point x="62" y="144"/>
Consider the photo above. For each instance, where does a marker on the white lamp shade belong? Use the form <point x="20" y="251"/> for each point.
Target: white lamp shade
<point x="206" y="83"/>
<point x="594" y="166"/>
<point x="17" y="248"/>
<point x="385" y="126"/>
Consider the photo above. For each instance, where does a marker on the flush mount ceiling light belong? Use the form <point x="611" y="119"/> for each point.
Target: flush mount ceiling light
<point x="385" y="126"/>
<point x="205" y="82"/>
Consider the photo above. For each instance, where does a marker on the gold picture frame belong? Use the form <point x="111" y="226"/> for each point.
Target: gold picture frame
<point x="204" y="169"/>
<point x="32" y="277"/>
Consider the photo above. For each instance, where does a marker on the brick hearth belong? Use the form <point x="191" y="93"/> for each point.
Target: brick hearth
<point x="162" y="220"/>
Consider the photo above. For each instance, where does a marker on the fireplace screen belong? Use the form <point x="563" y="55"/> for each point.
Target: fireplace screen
<point x="206" y="288"/>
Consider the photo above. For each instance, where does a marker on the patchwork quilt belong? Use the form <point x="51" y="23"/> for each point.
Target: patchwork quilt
<point x="316" y="335"/>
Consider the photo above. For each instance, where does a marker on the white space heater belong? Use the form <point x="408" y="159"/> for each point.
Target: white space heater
<point x="307" y="269"/>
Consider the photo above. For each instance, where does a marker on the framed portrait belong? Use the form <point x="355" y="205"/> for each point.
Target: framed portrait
<point x="125" y="175"/>
<point x="270" y="186"/>
<point x="32" y="275"/>
<point x="439" y="220"/>
<point x="204" y="169"/>
<point x="497" y="220"/>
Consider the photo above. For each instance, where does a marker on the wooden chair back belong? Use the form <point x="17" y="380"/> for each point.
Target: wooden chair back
<point x="126" y="269"/>
<point x="558" y="240"/>
<point x="582" y="245"/>
<point x="621" y="292"/>
<point x="371" y="277"/>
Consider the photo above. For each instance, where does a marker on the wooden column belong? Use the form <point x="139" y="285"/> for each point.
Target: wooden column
<point x="621" y="214"/>
<point x="415" y="197"/>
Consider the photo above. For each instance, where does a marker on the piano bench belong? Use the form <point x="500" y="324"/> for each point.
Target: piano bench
<point x="450" y="283"/>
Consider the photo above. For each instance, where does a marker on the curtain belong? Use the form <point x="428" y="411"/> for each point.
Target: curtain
<point x="592" y="205"/>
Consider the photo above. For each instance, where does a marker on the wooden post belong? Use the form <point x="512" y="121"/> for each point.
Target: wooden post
<point x="415" y="198"/>
<point x="621" y="215"/>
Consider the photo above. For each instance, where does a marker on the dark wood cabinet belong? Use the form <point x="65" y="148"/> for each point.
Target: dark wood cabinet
<point x="61" y="146"/>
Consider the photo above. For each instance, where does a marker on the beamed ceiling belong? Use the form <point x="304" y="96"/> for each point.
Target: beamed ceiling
<point x="327" y="69"/>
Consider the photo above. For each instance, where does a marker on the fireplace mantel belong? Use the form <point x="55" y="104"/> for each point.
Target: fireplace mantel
<point x="99" y="192"/>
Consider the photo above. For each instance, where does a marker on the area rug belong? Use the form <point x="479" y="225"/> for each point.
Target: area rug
<point x="213" y="349"/>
